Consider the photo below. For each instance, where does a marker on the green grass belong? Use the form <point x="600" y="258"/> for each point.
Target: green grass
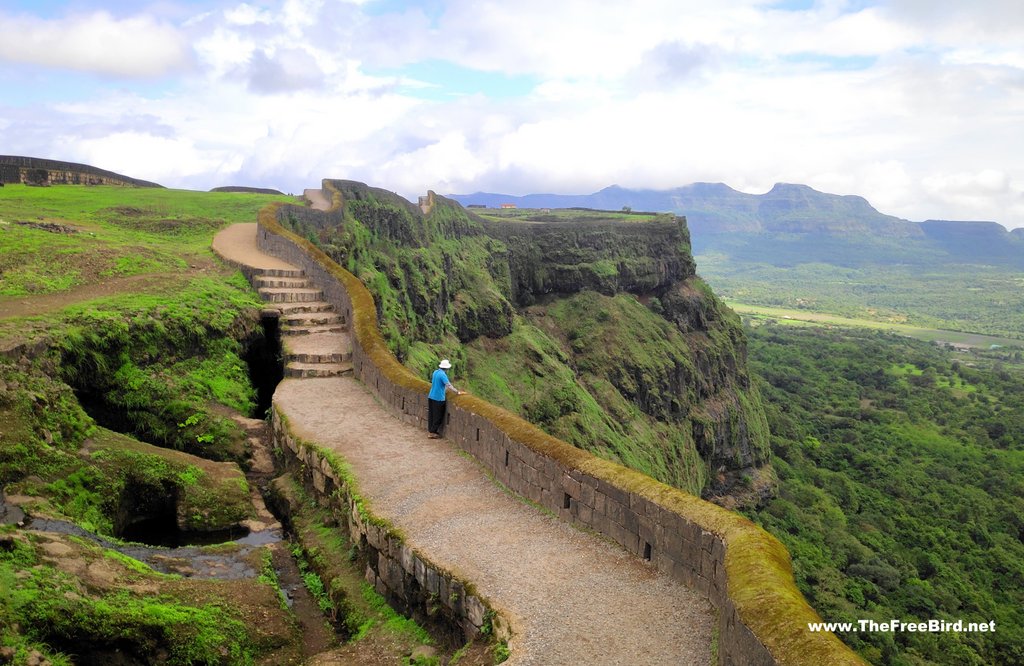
<point x="803" y="317"/>
<point x="935" y="296"/>
<point x="121" y="232"/>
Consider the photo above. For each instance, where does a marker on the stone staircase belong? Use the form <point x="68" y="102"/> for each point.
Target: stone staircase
<point x="314" y="336"/>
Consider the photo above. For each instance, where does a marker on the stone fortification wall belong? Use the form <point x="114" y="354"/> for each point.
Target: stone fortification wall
<point x="743" y="571"/>
<point x="37" y="171"/>
<point x="405" y="578"/>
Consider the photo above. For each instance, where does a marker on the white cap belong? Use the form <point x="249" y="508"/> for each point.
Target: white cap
<point x="445" y="364"/>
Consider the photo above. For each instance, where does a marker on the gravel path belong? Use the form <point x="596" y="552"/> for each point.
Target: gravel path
<point x="571" y="597"/>
<point x="238" y="243"/>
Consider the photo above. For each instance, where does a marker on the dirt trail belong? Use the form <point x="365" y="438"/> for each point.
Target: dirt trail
<point x="572" y="597"/>
<point x="28" y="306"/>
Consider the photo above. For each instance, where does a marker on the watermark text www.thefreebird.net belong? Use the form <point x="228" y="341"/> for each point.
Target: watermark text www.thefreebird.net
<point x="895" y="626"/>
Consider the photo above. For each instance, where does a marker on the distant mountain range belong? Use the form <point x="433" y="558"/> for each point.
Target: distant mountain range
<point x="791" y="214"/>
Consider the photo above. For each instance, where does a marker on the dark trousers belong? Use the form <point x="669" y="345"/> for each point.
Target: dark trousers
<point x="435" y="414"/>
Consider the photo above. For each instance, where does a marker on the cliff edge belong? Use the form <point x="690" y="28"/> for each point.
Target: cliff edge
<point x="593" y="325"/>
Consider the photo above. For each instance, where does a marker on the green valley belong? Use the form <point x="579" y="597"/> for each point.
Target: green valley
<point x="900" y="486"/>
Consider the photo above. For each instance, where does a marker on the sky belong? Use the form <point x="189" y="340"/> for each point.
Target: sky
<point x="917" y="105"/>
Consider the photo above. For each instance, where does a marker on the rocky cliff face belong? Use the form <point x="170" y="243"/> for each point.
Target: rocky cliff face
<point x="597" y="329"/>
<point x="558" y="257"/>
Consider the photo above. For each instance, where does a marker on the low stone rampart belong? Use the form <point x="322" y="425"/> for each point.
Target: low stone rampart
<point x="742" y="570"/>
<point x="39" y="171"/>
<point x="409" y="581"/>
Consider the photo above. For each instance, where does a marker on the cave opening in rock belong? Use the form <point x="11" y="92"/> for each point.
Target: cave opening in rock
<point x="264" y="360"/>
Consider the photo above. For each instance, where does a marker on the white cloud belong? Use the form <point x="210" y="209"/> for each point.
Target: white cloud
<point x="97" y="43"/>
<point x="986" y="194"/>
<point x="657" y="93"/>
<point x="245" y="14"/>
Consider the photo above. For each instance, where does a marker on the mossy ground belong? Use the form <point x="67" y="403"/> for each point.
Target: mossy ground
<point x="160" y="358"/>
<point x="65" y="597"/>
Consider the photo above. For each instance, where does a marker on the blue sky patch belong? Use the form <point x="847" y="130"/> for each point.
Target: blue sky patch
<point x="834" y="63"/>
<point x="432" y="9"/>
<point x="446" y="80"/>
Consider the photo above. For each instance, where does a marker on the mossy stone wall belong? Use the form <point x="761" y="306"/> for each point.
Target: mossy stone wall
<point x="405" y="578"/>
<point x="742" y="570"/>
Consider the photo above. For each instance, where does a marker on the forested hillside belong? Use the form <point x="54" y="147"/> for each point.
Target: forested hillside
<point x="901" y="470"/>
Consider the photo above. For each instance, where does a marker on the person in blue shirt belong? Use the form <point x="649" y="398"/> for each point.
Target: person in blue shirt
<point x="436" y="403"/>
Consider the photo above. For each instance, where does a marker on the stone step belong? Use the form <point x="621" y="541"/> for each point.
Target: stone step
<point x="311" y="318"/>
<point x="281" y="272"/>
<point x="322" y="347"/>
<point x="326" y="357"/>
<point x="290" y="282"/>
<point x="290" y="295"/>
<point x="313" y="330"/>
<point x="287" y="309"/>
<point x="301" y="370"/>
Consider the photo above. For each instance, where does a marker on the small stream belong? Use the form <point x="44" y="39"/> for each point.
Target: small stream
<point x="191" y="561"/>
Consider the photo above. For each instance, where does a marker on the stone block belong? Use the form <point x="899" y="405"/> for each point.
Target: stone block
<point x="408" y="560"/>
<point x="457" y="597"/>
<point x="689" y="530"/>
<point x="469" y="630"/>
<point x="613" y="492"/>
<point x="391" y="572"/>
<point x="445" y="591"/>
<point x="475" y="610"/>
<point x="615" y="511"/>
<point x="707" y="540"/>
<point x="630" y="520"/>
<point x="628" y="540"/>
<point x="420" y="571"/>
<point x="673" y="545"/>
<point x="718" y="550"/>
<point x="701" y="584"/>
<point x="587" y="494"/>
<point x="707" y="565"/>
<point x="572" y="486"/>
<point x="647" y="531"/>
<point x="662" y="562"/>
<point x="375" y="538"/>
<point x="433" y="582"/>
<point x="600" y="503"/>
<point x="552" y="469"/>
<point x="585" y="515"/>
<point x="691" y="553"/>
